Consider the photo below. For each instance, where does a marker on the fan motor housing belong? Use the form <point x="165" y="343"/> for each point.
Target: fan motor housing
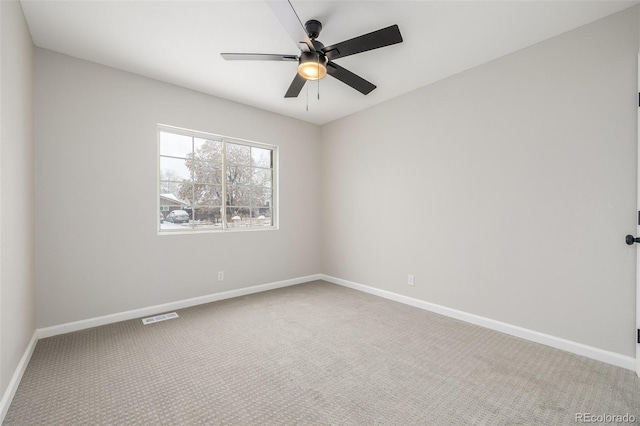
<point x="313" y="28"/>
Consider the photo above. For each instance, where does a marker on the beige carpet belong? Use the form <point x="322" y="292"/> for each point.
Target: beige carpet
<point x="314" y="353"/>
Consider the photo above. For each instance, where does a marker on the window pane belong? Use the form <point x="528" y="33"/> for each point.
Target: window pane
<point x="169" y="187"/>
<point x="208" y="150"/>
<point x="177" y="219"/>
<point x="175" y="145"/>
<point x="169" y="202"/>
<point x="207" y="217"/>
<point x="184" y="195"/>
<point x="261" y="217"/>
<point x="238" y="175"/>
<point x="174" y="169"/>
<point x="261" y="157"/>
<point x="261" y="177"/>
<point x="262" y="198"/>
<point x="238" y="217"/>
<point x="238" y="195"/>
<point x="175" y="226"/>
<point x="238" y="154"/>
<point x="208" y="195"/>
<point x="206" y="172"/>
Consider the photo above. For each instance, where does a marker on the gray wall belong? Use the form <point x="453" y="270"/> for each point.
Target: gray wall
<point x="507" y="189"/>
<point x="95" y="140"/>
<point x="17" y="285"/>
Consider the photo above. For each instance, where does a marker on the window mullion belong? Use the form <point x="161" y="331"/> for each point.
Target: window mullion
<point x="193" y="183"/>
<point x="223" y="209"/>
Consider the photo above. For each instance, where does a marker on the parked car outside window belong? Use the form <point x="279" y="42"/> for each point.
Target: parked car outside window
<point x="178" y="216"/>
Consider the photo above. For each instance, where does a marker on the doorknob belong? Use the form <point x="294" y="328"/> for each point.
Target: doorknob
<point x="630" y="239"/>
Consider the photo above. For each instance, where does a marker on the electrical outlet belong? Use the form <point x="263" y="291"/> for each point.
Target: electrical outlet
<point x="220" y="275"/>
<point x="411" y="280"/>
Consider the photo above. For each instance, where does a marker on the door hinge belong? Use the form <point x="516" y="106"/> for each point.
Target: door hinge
<point x="639" y="335"/>
<point x="639" y="99"/>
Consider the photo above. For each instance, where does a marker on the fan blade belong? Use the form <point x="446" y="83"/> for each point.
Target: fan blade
<point x="296" y="86"/>
<point x="288" y="17"/>
<point x="349" y="78"/>
<point x="257" y="57"/>
<point x="375" y="40"/>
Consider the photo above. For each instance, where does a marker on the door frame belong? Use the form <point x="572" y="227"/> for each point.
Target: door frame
<point x="637" y="329"/>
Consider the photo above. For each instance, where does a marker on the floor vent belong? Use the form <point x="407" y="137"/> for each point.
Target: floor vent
<point x="159" y="318"/>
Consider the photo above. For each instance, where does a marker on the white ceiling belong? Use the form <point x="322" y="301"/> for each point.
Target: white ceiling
<point x="180" y="42"/>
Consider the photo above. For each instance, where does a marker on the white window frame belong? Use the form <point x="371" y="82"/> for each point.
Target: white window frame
<point x="275" y="205"/>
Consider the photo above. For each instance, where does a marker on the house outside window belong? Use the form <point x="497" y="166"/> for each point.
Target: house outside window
<point x="209" y="182"/>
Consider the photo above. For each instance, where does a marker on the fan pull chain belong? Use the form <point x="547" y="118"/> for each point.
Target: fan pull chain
<point x="307" y="98"/>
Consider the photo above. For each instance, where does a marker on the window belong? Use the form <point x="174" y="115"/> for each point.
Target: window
<point x="214" y="183"/>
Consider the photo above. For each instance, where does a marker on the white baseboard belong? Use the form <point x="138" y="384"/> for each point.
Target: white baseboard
<point x="157" y="309"/>
<point x="598" y="354"/>
<point x="546" y="339"/>
<point x="10" y="392"/>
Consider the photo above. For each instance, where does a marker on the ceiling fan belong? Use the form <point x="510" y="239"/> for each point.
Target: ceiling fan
<point x="315" y="60"/>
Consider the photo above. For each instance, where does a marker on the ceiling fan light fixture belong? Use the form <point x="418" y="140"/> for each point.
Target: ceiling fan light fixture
<point x="312" y="65"/>
<point x="317" y="60"/>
